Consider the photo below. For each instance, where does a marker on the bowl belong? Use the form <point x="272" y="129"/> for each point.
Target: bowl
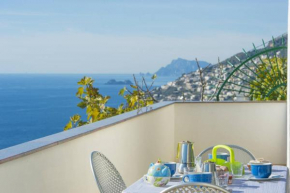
<point x="261" y="170"/>
<point x="219" y="155"/>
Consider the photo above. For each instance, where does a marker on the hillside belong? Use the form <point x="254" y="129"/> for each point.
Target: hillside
<point x="180" y="66"/>
<point x="188" y="86"/>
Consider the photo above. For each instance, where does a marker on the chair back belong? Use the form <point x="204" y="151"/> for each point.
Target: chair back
<point x="241" y="154"/>
<point x="107" y="177"/>
<point x="195" y="188"/>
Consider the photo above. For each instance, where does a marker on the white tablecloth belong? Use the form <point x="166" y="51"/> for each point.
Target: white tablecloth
<point x="239" y="184"/>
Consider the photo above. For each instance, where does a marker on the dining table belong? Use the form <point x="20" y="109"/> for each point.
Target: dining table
<point x="239" y="185"/>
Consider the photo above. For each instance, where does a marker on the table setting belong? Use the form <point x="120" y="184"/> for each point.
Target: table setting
<point x="221" y="170"/>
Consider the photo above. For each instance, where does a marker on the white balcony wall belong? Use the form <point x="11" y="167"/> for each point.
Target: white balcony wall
<point x="130" y="145"/>
<point x="258" y="127"/>
<point x="133" y="143"/>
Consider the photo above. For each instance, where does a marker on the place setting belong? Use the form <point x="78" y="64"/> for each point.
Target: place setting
<point x="220" y="170"/>
<point x="261" y="170"/>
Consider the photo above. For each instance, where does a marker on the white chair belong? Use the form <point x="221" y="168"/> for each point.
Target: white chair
<point x="195" y="188"/>
<point x="107" y="177"/>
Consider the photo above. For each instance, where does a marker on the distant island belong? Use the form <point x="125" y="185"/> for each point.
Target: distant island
<point x="180" y="66"/>
<point x="114" y="82"/>
<point x="145" y="74"/>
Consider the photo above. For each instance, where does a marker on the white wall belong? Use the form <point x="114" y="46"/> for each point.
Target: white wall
<point x="258" y="127"/>
<point x="131" y="146"/>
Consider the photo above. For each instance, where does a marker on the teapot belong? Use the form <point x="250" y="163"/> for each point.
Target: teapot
<point x="158" y="174"/>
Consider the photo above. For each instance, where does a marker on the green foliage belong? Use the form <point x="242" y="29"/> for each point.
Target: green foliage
<point x="271" y="80"/>
<point x="96" y="104"/>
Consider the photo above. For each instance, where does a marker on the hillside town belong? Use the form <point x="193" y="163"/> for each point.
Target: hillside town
<point x="190" y="86"/>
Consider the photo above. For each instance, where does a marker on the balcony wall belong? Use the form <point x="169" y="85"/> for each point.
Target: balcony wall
<point x="60" y="163"/>
<point x="258" y="127"/>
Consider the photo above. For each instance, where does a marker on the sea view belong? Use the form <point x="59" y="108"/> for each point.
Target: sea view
<point x="37" y="105"/>
<point x="144" y="96"/>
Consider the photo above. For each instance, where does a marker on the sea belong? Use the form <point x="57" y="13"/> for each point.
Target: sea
<point x="37" y="105"/>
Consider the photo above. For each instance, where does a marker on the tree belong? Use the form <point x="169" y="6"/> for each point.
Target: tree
<point x="95" y="103"/>
<point x="271" y="80"/>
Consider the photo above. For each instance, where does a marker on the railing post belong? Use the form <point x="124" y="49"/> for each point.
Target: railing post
<point x="288" y="103"/>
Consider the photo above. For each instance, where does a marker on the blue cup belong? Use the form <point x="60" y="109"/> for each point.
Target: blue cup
<point x="263" y="170"/>
<point x="172" y="167"/>
<point x="223" y="156"/>
<point x="198" y="177"/>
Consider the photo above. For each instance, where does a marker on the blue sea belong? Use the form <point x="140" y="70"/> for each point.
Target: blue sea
<point x="37" y="105"/>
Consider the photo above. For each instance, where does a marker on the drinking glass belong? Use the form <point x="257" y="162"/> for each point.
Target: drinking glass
<point x="190" y="169"/>
<point x="237" y="169"/>
<point x="222" y="179"/>
<point x="198" y="164"/>
<point x="185" y="170"/>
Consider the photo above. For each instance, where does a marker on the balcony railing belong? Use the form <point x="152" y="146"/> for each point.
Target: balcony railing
<point x="60" y="162"/>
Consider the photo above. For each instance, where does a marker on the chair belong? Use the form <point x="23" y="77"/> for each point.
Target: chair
<point x="241" y="154"/>
<point x="107" y="177"/>
<point x="195" y="188"/>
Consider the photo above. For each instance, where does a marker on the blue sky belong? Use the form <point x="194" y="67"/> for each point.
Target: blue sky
<point x="130" y="36"/>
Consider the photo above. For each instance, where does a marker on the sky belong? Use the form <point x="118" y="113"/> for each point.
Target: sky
<point x="130" y="36"/>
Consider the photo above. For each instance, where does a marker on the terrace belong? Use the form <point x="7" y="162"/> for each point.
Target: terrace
<point x="61" y="162"/>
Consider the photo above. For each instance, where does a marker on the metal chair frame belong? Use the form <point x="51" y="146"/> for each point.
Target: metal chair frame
<point x="232" y="146"/>
<point x="116" y="188"/>
<point x="195" y="188"/>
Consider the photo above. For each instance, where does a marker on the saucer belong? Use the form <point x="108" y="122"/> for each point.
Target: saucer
<point x="176" y="177"/>
<point x="272" y="177"/>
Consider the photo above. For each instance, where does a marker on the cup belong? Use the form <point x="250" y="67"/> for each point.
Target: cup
<point x="222" y="179"/>
<point x="223" y="156"/>
<point x="261" y="170"/>
<point x="172" y="167"/>
<point x="237" y="169"/>
<point x="198" y="177"/>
